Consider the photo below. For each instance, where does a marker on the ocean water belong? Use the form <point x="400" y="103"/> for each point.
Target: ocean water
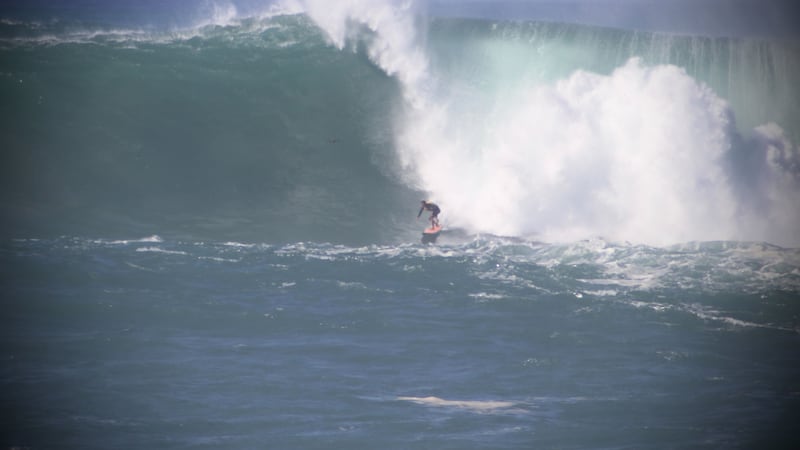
<point x="209" y="234"/>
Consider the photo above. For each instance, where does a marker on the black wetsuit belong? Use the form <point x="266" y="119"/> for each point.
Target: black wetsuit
<point x="430" y="207"/>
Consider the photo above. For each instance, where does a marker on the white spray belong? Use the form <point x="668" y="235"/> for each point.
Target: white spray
<point x="640" y="154"/>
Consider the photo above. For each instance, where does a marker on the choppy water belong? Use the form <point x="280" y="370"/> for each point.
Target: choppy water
<point x="485" y="343"/>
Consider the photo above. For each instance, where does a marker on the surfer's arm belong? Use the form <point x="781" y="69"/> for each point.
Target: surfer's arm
<point x="420" y="212"/>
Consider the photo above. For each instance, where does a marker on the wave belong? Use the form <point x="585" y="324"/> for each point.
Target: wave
<point x="238" y="134"/>
<point x="303" y="120"/>
<point x="645" y="152"/>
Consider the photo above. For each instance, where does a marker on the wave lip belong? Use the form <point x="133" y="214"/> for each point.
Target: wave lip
<point x="210" y="20"/>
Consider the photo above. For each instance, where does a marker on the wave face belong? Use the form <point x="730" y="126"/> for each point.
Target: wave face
<point x="307" y="121"/>
<point x="256" y="130"/>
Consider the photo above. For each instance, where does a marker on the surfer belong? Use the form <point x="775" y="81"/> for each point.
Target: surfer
<point x="426" y="205"/>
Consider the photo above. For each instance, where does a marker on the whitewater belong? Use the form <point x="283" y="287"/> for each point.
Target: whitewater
<point x="209" y="233"/>
<point x="641" y="151"/>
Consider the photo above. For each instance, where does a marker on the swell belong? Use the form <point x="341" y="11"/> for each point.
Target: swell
<point x="268" y="134"/>
<point x="325" y="126"/>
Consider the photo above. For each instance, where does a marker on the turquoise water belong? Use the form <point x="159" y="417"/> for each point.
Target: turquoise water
<point x="187" y="134"/>
<point x="208" y="232"/>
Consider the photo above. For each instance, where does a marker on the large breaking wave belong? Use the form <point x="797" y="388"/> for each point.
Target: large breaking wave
<point x="553" y="131"/>
<point x="513" y="144"/>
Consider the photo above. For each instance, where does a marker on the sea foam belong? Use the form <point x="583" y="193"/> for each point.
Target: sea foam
<point x="645" y="153"/>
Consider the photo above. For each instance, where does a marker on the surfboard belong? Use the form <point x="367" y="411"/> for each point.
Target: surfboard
<point x="430" y="234"/>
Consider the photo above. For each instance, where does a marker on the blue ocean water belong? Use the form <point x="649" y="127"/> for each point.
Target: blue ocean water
<point x="489" y="343"/>
<point x="208" y="232"/>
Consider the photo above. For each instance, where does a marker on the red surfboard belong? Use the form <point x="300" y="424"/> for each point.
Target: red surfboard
<point x="430" y="234"/>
